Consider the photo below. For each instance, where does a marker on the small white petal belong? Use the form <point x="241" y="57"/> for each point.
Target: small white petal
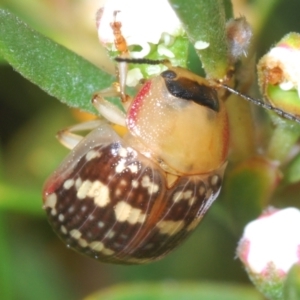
<point x="289" y="62"/>
<point x="200" y="45"/>
<point x="143" y="52"/>
<point x="154" y="69"/>
<point x="133" y="77"/>
<point x="164" y="51"/>
<point x="286" y="85"/>
<point x="143" y="20"/>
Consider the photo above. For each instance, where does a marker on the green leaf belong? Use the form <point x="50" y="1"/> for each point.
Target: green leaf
<point x="292" y="284"/>
<point x="205" y="21"/>
<point x="18" y="199"/>
<point x="177" y="291"/>
<point x="57" y="70"/>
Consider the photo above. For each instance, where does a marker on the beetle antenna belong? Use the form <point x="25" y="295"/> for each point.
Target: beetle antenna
<point x="145" y="61"/>
<point x="264" y="105"/>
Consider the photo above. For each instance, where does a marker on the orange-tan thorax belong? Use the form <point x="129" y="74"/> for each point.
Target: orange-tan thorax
<point x="178" y="120"/>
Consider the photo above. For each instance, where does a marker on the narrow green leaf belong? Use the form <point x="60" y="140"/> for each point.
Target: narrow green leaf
<point x="177" y="291"/>
<point x="292" y="284"/>
<point x="205" y="21"/>
<point x="57" y="70"/>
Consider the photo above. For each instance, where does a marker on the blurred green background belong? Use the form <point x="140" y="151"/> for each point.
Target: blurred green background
<point x="34" y="263"/>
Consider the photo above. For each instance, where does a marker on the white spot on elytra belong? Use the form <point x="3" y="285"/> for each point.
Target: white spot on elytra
<point x="92" y="154"/>
<point x="151" y="186"/>
<point x="100" y="224"/>
<point x="177" y="197"/>
<point x="125" y="212"/>
<point x="202" y="190"/>
<point x="134" y="183"/>
<point x="123" y="152"/>
<point x="133" y="168"/>
<point x="122" y="210"/>
<point x="97" y="246"/>
<point x="100" y="193"/>
<point x="51" y="201"/>
<point x="63" y="229"/>
<point x="192" y="201"/>
<point x="71" y="209"/>
<point x="91" y="217"/>
<point x="186" y="195"/>
<point x="83" y="208"/>
<point x="83" y="243"/>
<point x="107" y="251"/>
<point x="84" y="189"/>
<point x="78" y="183"/>
<point x="110" y="234"/>
<point x="68" y="184"/>
<point x="120" y="167"/>
<point x="96" y="190"/>
<point x="214" y="180"/>
<point x="136" y="216"/>
<point x="170" y="227"/>
<point x="76" y="234"/>
<point x="61" y="217"/>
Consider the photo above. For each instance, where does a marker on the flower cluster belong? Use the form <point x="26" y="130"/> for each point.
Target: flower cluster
<point x="151" y="29"/>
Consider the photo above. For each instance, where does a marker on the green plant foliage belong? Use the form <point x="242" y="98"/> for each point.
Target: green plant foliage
<point x="205" y="21"/>
<point x="177" y="291"/>
<point x="57" y="70"/>
<point x="292" y="284"/>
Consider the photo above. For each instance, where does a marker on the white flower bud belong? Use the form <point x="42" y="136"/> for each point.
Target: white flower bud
<point x="281" y="65"/>
<point x="143" y="22"/>
<point x="270" y="247"/>
<point x="151" y="29"/>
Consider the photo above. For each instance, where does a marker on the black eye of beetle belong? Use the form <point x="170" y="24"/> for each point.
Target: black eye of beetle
<point x="169" y="74"/>
<point x="187" y="89"/>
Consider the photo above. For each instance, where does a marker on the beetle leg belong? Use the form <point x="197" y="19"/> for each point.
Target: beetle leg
<point x="108" y="110"/>
<point x="69" y="139"/>
<point x="122" y="70"/>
